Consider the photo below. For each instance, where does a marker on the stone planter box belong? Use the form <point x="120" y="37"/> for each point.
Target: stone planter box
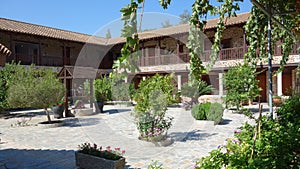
<point x="92" y="162"/>
<point x="84" y="112"/>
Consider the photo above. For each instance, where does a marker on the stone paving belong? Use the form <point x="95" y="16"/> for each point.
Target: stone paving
<point x="34" y="146"/>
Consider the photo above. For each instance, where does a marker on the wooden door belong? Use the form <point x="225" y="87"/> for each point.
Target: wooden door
<point x="262" y="84"/>
<point x="286" y="82"/>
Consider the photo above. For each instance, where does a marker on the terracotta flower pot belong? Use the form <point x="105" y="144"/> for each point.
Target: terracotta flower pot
<point x="277" y="101"/>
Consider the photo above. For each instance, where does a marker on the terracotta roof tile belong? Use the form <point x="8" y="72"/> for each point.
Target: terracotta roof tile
<point x="33" y="29"/>
<point x="22" y="27"/>
<point x="184" y="28"/>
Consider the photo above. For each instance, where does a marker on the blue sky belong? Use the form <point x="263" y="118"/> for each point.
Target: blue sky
<point x="91" y="16"/>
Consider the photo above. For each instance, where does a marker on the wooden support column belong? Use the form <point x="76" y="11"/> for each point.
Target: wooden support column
<point x="157" y="53"/>
<point x="147" y="57"/>
<point x="64" y="54"/>
<point x="91" y="93"/>
<point x="66" y="93"/>
<point x="39" y="60"/>
<point x="178" y="52"/>
<point x="143" y="55"/>
<point x="244" y="42"/>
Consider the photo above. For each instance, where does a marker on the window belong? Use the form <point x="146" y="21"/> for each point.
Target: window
<point x="181" y="48"/>
<point x="226" y="43"/>
<point x="27" y="53"/>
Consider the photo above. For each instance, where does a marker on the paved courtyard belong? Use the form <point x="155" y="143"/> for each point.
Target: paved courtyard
<point x="34" y="146"/>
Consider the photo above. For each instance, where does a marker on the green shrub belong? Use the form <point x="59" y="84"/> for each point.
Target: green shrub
<point x="208" y="111"/>
<point x="276" y="144"/>
<point x="7" y="74"/>
<point x="215" y="113"/>
<point x="200" y="111"/>
<point x="241" y="84"/>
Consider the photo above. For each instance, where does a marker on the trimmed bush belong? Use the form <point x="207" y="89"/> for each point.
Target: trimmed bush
<point x="215" y="113"/>
<point x="200" y="111"/>
<point x="208" y="111"/>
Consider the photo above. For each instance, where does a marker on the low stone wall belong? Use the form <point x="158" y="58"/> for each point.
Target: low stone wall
<point x="206" y="98"/>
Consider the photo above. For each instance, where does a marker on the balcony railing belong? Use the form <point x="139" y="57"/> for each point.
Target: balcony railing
<point x="47" y="60"/>
<point x="225" y="54"/>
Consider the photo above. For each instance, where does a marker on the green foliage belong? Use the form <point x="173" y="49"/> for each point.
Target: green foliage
<point x="152" y="99"/>
<point x="194" y="89"/>
<point x="87" y="148"/>
<point x="120" y="91"/>
<point x="7" y="74"/>
<point x="166" y="24"/>
<point x="132" y="90"/>
<point x="102" y="89"/>
<point x="130" y="51"/>
<point x="36" y="88"/>
<point x="164" y="3"/>
<point x="108" y="34"/>
<point x="276" y="144"/>
<point x="215" y="113"/>
<point x="258" y="22"/>
<point x="155" y="165"/>
<point x="200" y="111"/>
<point x="241" y="84"/>
<point x="48" y="90"/>
<point x="208" y="111"/>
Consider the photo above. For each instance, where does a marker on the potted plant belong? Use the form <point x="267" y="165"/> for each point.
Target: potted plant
<point x="92" y="157"/>
<point x="102" y="92"/>
<point x="277" y="100"/>
<point x="58" y="109"/>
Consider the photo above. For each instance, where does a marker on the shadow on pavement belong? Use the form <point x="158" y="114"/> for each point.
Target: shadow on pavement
<point x="192" y="135"/>
<point x="115" y="111"/>
<point x="27" y="114"/>
<point x="75" y="122"/>
<point x="225" y="122"/>
<point x="38" y="159"/>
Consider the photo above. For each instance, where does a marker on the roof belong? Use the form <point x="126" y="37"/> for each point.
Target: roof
<point x="184" y="28"/>
<point x="33" y="29"/>
<point x="4" y="50"/>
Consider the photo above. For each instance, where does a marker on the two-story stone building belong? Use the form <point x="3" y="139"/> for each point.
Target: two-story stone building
<point x="163" y="51"/>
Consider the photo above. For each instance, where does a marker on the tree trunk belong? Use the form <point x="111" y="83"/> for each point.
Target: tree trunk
<point x="48" y="115"/>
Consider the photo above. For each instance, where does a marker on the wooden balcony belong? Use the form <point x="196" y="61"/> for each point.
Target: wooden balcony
<point x="225" y="54"/>
<point x="35" y="59"/>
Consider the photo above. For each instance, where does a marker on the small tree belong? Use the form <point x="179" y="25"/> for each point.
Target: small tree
<point x="36" y="89"/>
<point x="152" y="99"/>
<point x="185" y="17"/>
<point x="166" y="24"/>
<point x="241" y="85"/>
<point x="6" y="76"/>
<point x="108" y="34"/>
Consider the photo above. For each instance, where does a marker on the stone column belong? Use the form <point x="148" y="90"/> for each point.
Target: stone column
<point x="144" y="77"/>
<point x="179" y="82"/>
<point x="221" y="84"/>
<point x="279" y="84"/>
